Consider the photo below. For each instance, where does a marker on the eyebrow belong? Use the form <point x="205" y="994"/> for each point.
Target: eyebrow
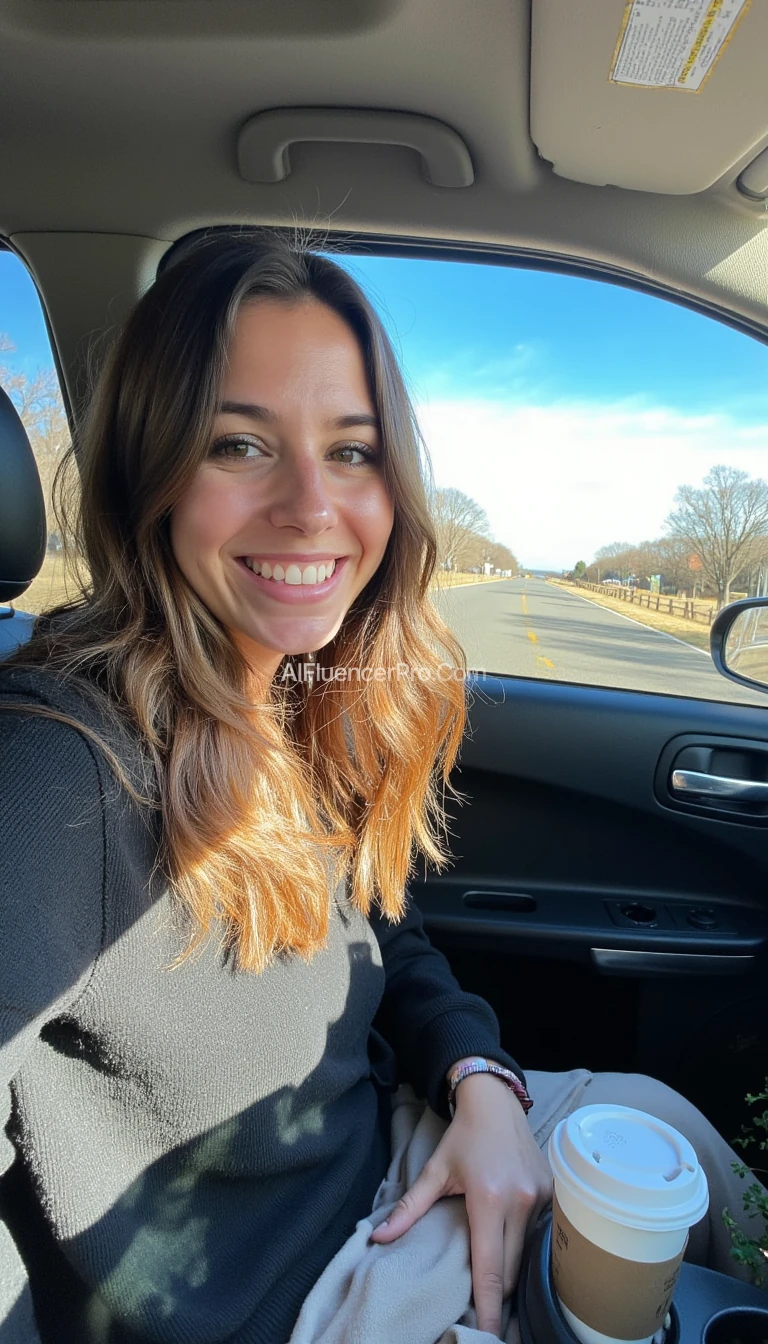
<point x="254" y="412"/>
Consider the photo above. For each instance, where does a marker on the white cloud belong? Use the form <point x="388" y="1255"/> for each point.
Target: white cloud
<point x="558" y="481"/>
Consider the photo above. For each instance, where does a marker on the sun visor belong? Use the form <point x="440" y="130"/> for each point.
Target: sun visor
<point x="654" y="95"/>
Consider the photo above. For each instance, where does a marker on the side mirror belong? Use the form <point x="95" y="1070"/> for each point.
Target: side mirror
<point x="739" y="642"/>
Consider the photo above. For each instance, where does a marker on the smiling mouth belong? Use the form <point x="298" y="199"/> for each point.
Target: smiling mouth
<point x="292" y="575"/>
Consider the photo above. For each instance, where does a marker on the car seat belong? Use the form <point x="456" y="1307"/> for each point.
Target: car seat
<point x="23" y="530"/>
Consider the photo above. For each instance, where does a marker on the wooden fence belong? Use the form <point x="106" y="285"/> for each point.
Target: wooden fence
<point x="688" y="608"/>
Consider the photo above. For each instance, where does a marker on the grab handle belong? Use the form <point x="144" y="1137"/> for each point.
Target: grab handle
<point x="265" y="140"/>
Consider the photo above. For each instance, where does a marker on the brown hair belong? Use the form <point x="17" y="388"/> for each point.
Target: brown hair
<point x="257" y="800"/>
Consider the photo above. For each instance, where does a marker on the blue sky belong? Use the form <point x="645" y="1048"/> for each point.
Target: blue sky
<point x="581" y="338"/>
<point x="21" y="318"/>
<point x="569" y="409"/>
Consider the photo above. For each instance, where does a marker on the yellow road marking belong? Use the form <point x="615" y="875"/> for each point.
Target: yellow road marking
<point x="534" y="638"/>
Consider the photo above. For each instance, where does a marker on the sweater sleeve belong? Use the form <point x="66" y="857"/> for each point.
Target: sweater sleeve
<point x="426" y="1017"/>
<point x="51" y="897"/>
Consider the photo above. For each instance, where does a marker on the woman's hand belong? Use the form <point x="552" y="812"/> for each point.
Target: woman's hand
<point x="489" y="1155"/>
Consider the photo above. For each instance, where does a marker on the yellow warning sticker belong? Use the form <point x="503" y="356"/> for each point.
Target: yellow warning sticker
<point x="674" y="44"/>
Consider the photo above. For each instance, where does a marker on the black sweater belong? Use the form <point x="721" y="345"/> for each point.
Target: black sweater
<point x="194" y="1144"/>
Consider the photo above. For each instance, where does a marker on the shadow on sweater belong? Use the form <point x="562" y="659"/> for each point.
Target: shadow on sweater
<point x="221" y="1237"/>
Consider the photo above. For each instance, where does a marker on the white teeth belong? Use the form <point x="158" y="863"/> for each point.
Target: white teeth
<point x="311" y="575"/>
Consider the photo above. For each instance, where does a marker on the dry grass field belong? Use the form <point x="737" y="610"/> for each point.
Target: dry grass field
<point x="445" y="579"/>
<point x="691" y="632"/>
<point x="49" y="588"/>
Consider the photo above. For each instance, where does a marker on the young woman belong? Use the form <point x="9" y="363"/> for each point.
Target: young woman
<point x="211" y="975"/>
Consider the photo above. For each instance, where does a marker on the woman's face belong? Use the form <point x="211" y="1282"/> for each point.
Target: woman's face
<point x="288" y="518"/>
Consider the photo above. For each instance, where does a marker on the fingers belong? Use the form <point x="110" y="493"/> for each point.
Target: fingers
<point x="497" y="1238"/>
<point x="514" y="1241"/>
<point x="486" y="1239"/>
<point x="424" y="1192"/>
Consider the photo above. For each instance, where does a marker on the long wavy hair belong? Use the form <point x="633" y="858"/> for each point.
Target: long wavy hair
<point x="259" y="802"/>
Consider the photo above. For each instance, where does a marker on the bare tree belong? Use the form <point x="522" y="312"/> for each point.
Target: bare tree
<point x="613" y="549"/>
<point x="612" y="560"/>
<point x="462" y="529"/>
<point x="473" y="551"/>
<point x="720" y="522"/>
<point x="502" y="558"/>
<point x="753" y="572"/>
<point x="673" y="556"/>
<point x="41" y="409"/>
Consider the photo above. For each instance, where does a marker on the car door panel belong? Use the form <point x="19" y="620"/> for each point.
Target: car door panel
<point x="563" y="828"/>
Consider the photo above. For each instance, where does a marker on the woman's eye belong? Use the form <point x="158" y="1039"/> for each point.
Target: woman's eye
<point x="237" y="448"/>
<point x="355" y="454"/>
<point x="243" y="448"/>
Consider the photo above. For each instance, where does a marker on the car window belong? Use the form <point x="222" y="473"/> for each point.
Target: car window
<point x="28" y="375"/>
<point x="599" y="459"/>
<point x="593" y="448"/>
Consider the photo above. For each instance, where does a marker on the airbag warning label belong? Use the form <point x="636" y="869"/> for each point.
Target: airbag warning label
<point x="674" y="44"/>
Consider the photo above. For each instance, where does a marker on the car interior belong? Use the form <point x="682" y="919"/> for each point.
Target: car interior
<point x="610" y="922"/>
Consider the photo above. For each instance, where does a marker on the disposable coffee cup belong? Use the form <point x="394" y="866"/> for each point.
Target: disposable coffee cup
<point x="627" y="1188"/>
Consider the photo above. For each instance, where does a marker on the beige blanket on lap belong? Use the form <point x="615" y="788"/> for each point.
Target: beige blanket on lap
<point x="417" y="1289"/>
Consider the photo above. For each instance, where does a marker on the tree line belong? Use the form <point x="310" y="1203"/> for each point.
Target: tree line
<point x="464" y="540"/>
<point x="715" y="540"/>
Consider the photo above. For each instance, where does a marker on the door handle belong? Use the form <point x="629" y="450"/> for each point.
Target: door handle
<point x="695" y="784"/>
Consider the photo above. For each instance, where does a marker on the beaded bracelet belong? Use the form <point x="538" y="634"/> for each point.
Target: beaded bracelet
<point x="486" y="1066"/>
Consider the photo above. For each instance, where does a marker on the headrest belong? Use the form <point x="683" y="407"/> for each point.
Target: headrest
<point x="23" y="529"/>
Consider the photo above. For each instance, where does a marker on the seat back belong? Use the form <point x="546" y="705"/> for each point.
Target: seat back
<point x="23" y="531"/>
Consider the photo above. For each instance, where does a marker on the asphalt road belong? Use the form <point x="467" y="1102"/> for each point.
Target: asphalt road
<point x="531" y="628"/>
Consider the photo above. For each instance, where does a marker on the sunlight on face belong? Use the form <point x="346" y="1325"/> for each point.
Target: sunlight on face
<point x="288" y="519"/>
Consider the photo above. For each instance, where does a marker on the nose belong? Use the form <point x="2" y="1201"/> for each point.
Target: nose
<point x="303" y="497"/>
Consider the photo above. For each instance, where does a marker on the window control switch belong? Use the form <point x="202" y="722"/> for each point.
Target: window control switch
<point x="701" y="917"/>
<point x="639" y="914"/>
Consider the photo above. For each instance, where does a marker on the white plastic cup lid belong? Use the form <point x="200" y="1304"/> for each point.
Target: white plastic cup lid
<point x="629" y="1167"/>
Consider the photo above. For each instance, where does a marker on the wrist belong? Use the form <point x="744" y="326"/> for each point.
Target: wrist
<point x="475" y="1066"/>
<point x="479" y="1085"/>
